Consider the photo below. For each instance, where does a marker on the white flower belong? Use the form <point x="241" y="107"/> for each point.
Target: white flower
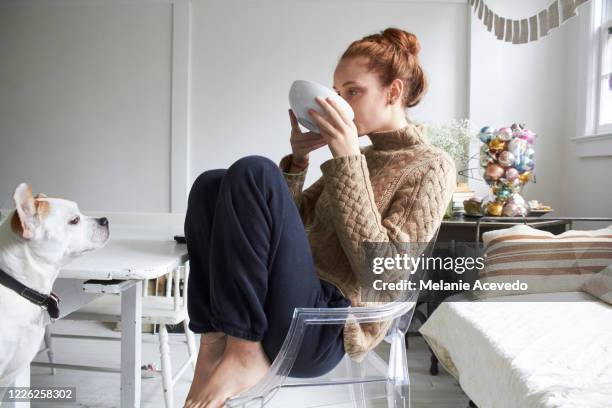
<point x="454" y="138"/>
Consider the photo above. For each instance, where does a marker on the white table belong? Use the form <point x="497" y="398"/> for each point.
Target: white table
<point x="141" y="247"/>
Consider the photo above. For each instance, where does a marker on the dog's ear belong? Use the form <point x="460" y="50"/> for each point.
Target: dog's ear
<point x="26" y="211"/>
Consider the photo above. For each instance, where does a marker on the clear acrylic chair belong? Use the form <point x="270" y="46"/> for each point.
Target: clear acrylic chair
<point x="371" y="382"/>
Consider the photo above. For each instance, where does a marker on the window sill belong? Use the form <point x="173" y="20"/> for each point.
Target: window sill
<point x="599" y="145"/>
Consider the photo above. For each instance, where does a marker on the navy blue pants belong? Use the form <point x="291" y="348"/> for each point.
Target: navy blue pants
<point x="251" y="264"/>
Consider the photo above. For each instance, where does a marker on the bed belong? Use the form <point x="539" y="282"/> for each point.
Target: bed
<point x="533" y="350"/>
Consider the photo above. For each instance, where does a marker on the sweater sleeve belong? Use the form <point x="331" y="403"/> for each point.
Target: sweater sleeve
<point x="415" y="210"/>
<point x="304" y="199"/>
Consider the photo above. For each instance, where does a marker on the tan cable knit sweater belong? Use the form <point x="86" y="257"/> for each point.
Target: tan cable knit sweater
<point x="396" y="190"/>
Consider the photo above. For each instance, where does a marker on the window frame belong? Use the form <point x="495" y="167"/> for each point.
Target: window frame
<point x="591" y="140"/>
<point x="605" y="31"/>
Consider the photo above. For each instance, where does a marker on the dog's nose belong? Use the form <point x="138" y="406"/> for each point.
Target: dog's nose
<point x="103" y="221"/>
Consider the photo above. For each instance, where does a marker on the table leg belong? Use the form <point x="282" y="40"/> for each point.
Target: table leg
<point x="131" y="341"/>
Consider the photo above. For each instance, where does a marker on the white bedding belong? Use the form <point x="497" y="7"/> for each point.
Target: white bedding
<point x="527" y="353"/>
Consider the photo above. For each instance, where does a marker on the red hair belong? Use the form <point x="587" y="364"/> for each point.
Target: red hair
<point x="393" y="53"/>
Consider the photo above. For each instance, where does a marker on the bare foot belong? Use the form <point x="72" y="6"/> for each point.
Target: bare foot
<point x="243" y="364"/>
<point x="212" y="346"/>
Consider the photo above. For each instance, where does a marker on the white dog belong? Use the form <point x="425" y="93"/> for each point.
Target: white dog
<point x="36" y="240"/>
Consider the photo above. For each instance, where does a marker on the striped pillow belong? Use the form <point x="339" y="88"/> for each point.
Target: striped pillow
<point x="544" y="261"/>
<point x="600" y="285"/>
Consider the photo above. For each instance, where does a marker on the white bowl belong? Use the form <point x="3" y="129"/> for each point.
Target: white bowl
<point x="302" y="98"/>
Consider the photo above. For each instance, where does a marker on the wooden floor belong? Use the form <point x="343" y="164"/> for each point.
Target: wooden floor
<point x="102" y="389"/>
<point x="427" y="391"/>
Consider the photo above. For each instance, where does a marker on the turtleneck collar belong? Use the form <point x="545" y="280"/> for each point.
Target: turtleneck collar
<point x="407" y="136"/>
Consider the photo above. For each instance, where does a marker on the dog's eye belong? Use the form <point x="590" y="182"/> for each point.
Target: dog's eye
<point x="74" y="221"/>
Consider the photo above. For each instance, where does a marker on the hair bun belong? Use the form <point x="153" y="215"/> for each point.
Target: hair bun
<point x="403" y="40"/>
<point x="392" y="53"/>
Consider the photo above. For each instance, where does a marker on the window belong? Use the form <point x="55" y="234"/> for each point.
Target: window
<point x="604" y="114"/>
<point x="594" y="67"/>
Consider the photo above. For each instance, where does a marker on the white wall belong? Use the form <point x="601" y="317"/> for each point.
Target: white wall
<point x="585" y="181"/>
<point x="85" y="102"/>
<point x="85" y="90"/>
<point x="245" y="56"/>
<point x="523" y="83"/>
<point x="536" y="83"/>
<point x="85" y="107"/>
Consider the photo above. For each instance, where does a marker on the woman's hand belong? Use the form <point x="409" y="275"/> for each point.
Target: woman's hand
<point x="339" y="132"/>
<point x="303" y="143"/>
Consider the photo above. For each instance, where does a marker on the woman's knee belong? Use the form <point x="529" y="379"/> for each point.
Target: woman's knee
<point x="210" y="179"/>
<point x="203" y="195"/>
<point x="252" y="163"/>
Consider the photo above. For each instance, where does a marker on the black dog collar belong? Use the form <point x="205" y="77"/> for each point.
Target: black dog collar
<point x="47" y="302"/>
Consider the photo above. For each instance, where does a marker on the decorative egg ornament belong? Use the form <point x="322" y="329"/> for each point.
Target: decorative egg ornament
<point x="497" y="145"/>
<point x="486" y="134"/>
<point x="510" y="209"/>
<point x="495" y="208"/>
<point x="511" y="174"/>
<point x="506" y="158"/>
<point x="528" y="136"/>
<point x="494" y="171"/>
<point x="525" y="177"/>
<point x="504" y="134"/>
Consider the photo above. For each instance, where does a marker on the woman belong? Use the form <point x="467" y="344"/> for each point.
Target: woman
<point x="259" y="246"/>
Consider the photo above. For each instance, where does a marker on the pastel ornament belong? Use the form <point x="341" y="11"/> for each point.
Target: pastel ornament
<point x="486" y="134"/>
<point x="524" y="165"/>
<point x="528" y="163"/>
<point x="503" y="194"/>
<point x="494" y="171"/>
<point x="528" y="136"/>
<point x="485" y="155"/>
<point x="511" y="209"/>
<point x="517" y="147"/>
<point x="523" y="209"/>
<point x="504" y="134"/>
<point x="511" y="174"/>
<point x="514" y="185"/>
<point x="499" y="184"/>
<point x="497" y="187"/>
<point x="497" y="145"/>
<point x="489" y="198"/>
<point x="525" y="177"/>
<point x="520" y="203"/>
<point x="506" y="158"/>
<point x="494" y="208"/>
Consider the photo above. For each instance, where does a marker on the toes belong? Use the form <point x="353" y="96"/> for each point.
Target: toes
<point x="216" y="403"/>
<point x="192" y="403"/>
